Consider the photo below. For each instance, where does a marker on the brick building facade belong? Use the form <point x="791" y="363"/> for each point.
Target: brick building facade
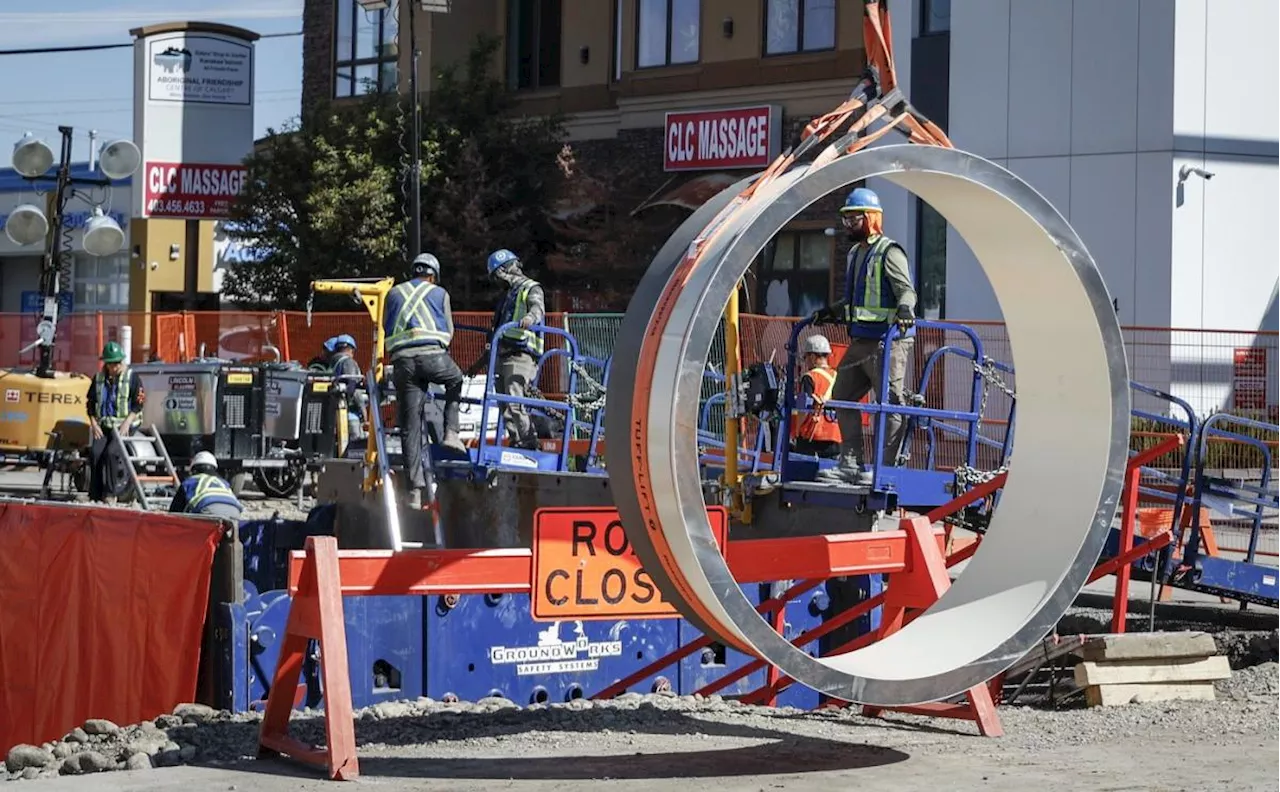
<point x="616" y="68"/>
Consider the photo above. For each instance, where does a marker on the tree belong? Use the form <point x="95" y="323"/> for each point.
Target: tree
<point x="497" y="175"/>
<point x="327" y="197"/>
<point x="322" y="199"/>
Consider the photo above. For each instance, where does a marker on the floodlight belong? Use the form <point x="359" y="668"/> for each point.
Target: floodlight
<point x="119" y="159"/>
<point x="27" y="225"/>
<point x="102" y="234"/>
<point x="32" y="156"/>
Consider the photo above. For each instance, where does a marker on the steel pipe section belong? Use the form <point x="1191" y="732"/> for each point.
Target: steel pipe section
<point x="1073" y="427"/>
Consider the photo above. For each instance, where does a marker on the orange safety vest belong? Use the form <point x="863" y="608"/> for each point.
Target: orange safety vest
<point x="818" y="426"/>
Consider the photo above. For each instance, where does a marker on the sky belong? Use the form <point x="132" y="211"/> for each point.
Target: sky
<point x="94" y="90"/>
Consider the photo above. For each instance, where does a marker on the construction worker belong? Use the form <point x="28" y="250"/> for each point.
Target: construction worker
<point x="816" y="432"/>
<point x="114" y="401"/>
<point x="418" y="322"/>
<point x="323" y="361"/>
<point x="878" y="295"/>
<point x="347" y="370"/>
<point x="519" y="348"/>
<point x="205" y="492"/>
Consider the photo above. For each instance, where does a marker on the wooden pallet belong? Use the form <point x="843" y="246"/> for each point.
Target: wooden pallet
<point x="1141" y="667"/>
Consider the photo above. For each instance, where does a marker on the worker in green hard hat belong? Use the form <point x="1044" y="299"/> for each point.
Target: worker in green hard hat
<point x="114" y="401"/>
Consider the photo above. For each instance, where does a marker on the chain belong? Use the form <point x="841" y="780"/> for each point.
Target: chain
<point x="967" y="476"/>
<point x="406" y="170"/>
<point x="311" y="301"/>
<point x="598" y="392"/>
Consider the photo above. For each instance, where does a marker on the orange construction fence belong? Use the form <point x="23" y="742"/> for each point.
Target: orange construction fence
<point x="101" y="615"/>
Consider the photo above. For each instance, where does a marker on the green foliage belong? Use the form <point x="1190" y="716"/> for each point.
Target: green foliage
<point x="497" y="175"/>
<point x="321" y="201"/>
<point x="1220" y="452"/>
<point x="327" y="197"/>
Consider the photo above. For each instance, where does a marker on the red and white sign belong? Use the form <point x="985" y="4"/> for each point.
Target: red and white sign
<point x="190" y="190"/>
<point x="1249" y="378"/>
<point x="741" y="137"/>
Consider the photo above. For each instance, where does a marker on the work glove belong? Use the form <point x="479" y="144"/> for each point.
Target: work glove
<point x="906" y="318"/>
<point x="826" y="315"/>
<point x="526" y="321"/>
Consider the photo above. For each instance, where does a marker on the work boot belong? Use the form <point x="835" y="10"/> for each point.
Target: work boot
<point x="848" y="471"/>
<point x="453" y="442"/>
<point x="414" y="498"/>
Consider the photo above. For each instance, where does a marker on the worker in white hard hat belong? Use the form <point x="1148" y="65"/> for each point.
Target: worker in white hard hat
<point x="816" y="432"/>
<point x="418" y="322"/>
<point x="205" y="492"/>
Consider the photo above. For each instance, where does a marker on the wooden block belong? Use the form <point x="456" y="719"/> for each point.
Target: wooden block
<point x="1175" y="669"/>
<point x="1132" y="646"/>
<point x="1119" y="695"/>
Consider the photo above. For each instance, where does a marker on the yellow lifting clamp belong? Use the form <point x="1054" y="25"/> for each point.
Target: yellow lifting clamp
<point x="739" y="506"/>
<point x="372" y="294"/>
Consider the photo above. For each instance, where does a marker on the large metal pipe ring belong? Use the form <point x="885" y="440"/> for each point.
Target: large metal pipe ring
<point x="1073" y="427"/>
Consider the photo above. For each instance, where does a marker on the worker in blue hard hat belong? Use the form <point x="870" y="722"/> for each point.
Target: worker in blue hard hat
<point x="878" y="295"/>
<point x="115" y="401"/>
<point x="520" y="347"/>
<point x="322" y="361"/>
<point x="347" y="372"/>
<point x="418" y="322"/>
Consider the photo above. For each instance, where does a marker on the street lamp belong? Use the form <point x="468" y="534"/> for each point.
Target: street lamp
<point x="27" y="225"/>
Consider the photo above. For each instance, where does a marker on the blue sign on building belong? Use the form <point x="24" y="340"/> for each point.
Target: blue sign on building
<point x="33" y="302"/>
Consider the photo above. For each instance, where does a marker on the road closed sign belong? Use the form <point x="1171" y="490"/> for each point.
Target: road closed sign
<point x="584" y="568"/>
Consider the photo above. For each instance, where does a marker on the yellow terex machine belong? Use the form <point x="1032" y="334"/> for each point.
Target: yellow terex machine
<point x="43" y="422"/>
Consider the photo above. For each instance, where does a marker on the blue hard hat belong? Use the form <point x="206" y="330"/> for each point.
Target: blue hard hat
<point x="331" y="344"/>
<point x="861" y="200"/>
<point x="500" y="258"/>
<point x="344" y="339"/>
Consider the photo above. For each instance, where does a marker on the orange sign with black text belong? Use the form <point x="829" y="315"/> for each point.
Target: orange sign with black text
<point x="585" y="569"/>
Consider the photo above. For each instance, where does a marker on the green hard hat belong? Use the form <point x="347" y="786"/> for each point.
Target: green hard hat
<point x="112" y="353"/>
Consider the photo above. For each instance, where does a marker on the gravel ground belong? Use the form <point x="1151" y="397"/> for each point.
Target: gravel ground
<point x="666" y="743"/>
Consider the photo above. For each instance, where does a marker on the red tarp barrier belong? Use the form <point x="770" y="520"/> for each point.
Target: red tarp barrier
<point x="101" y="616"/>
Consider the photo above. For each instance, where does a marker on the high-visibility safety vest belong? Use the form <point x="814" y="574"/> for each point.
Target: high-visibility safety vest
<point x="514" y="308"/>
<point x="818" y="426"/>
<point x="203" y="490"/>
<point x="416" y="316"/>
<point x="121" y="402"/>
<point x="868" y="291"/>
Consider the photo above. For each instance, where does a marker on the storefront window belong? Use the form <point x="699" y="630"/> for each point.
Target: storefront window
<point x="365" y="56"/>
<point x="101" y="283"/>
<point x="799" y="26"/>
<point x="533" y="44"/>
<point x="935" y="17"/>
<point x="667" y="32"/>
<point x="931" y="268"/>
<point x="794" y="274"/>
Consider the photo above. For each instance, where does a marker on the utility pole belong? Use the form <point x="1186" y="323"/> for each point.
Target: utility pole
<point x="415" y="178"/>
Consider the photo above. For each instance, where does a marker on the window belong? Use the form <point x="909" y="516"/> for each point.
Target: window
<point x="667" y="32"/>
<point x="533" y="44"/>
<point x="799" y="26"/>
<point x="101" y="283"/>
<point x="931" y="263"/>
<point x="617" y="40"/>
<point x="935" y="17"/>
<point x="365" y="57"/>
<point x="794" y="273"/>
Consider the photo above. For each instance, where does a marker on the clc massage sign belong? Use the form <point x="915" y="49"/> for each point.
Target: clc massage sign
<point x="741" y="137"/>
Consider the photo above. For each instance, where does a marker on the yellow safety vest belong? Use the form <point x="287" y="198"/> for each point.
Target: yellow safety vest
<point x="208" y="490"/>
<point x="121" y="402"/>
<point x="519" y="336"/>
<point x="871" y="298"/>
<point x="419" y="319"/>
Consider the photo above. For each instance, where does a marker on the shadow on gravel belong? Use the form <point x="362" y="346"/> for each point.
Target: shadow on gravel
<point x="776" y="750"/>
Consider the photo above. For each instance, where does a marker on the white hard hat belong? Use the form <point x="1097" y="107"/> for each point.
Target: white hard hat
<point x="205" y="458"/>
<point x="817" y="345"/>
